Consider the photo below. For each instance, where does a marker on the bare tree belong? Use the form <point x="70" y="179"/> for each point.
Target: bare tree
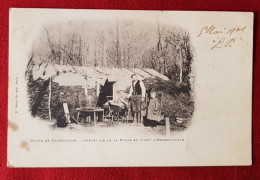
<point x="164" y="48"/>
<point x="179" y="40"/>
<point x="118" y="58"/>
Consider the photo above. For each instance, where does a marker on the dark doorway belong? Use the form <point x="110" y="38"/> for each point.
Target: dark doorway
<point x="106" y="93"/>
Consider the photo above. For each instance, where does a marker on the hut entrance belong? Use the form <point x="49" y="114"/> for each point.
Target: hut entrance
<point x="106" y="93"/>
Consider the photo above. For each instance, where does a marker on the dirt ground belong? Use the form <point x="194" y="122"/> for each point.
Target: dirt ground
<point x="114" y="129"/>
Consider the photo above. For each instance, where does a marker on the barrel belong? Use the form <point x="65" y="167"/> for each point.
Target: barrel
<point x="91" y="101"/>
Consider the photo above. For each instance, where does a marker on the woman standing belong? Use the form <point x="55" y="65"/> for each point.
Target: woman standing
<point x="153" y="110"/>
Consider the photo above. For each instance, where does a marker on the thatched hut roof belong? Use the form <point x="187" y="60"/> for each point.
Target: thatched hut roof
<point x="65" y="74"/>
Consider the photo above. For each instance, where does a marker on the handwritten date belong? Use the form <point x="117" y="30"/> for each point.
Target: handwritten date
<point x="222" y="37"/>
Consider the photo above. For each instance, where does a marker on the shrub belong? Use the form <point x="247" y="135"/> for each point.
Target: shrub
<point x="177" y="100"/>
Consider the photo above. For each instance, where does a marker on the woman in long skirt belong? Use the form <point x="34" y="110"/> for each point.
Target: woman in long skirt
<point x="153" y="110"/>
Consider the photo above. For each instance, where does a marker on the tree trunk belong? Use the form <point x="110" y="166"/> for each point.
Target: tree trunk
<point x="117" y="47"/>
<point x="49" y="101"/>
<point x="181" y="64"/>
<point x="104" y="54"/>
<point x="95" y="55"/>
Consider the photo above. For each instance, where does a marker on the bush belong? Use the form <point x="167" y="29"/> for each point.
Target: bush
<point x="59" y="95"/>
<point x="177" y="101"/>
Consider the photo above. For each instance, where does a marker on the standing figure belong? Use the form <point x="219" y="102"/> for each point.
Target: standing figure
<point x="153" y="110"/>
<point x="137" y="94"/>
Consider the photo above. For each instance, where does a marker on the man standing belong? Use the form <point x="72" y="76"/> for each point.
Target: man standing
<point x="137" y="94"/>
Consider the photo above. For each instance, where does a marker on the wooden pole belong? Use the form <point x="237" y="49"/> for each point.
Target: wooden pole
<point x="86" y="88"/>
<point x="167" y="126"/>
<point x="98" y="84"/>
<point x="95" y="118"/>
<point x="49" y="101"/>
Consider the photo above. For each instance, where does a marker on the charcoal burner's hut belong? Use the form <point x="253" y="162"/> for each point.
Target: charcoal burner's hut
<point x="50" y="85"/>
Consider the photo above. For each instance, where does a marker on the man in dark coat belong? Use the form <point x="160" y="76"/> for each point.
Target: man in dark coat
<point x="137" y="94"/>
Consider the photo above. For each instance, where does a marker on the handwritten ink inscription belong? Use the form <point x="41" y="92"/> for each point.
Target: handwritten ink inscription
<point x="222" y="37"/>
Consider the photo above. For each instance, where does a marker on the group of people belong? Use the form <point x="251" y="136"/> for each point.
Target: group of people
<point x="139" y="103"/>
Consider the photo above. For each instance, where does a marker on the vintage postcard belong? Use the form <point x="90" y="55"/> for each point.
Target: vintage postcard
<point x="105" y="88"/>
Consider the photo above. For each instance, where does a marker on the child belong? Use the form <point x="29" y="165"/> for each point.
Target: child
<point x="153" y="110"/>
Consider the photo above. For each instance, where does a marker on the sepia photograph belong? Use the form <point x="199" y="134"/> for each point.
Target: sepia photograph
<point x="115" y="74"/>
<point x="105" y="88"/>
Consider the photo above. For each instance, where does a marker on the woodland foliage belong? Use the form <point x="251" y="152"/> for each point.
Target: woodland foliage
<point x="128" y="44"/>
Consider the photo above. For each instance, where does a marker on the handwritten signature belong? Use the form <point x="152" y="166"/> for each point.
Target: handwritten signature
<point x="222" y="37"/>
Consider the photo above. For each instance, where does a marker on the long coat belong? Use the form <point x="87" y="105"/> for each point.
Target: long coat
<point x="154" y="110"/>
